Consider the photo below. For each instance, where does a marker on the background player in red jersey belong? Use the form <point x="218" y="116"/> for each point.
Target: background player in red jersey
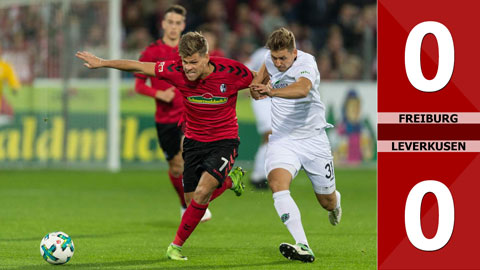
<point x="168" y="99"/>
<point x="209" y="86"/>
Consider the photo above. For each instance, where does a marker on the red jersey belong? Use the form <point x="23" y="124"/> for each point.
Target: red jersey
<point x="209" y="103"/>
<point x="166" y="113"/>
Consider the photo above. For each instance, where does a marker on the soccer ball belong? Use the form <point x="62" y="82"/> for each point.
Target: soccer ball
<point x="56" y="248"/>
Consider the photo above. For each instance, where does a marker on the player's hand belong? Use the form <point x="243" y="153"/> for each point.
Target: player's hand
<point x="91" y="61"/>
<point x="167" y="95"/>
<point x="262" y="89"/>
<point x="256" y="95"/>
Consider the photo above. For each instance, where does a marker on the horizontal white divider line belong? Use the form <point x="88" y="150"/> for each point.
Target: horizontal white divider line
<point x="429" y="118"/>
<point x="428" y="146"/>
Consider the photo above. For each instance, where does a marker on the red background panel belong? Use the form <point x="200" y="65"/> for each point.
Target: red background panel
<point x="395" y="21"/>
<point x="398" y="173"/>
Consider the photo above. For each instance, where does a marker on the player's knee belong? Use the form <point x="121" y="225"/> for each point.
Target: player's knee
<point x="278" y="180"/>
<point x="277" y="185"/>
<point x="176" y="167"/>
<point x="273" y="185"/>
<point x="202" y="194"/>
<point x="176" y="170"/>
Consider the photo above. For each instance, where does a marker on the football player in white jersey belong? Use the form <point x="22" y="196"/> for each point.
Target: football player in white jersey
<point x="261" y="109"/>
<point x="298" y="137"/>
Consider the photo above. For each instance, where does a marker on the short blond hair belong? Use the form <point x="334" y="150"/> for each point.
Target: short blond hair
<point x="192" y="43"/>
<point x="280" y="39"/>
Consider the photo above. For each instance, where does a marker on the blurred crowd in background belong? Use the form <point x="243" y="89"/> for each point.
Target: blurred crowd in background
<point x="341" y="34"/>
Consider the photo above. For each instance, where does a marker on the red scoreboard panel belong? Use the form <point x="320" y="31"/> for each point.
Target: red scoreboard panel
<point x="428" y="134"/>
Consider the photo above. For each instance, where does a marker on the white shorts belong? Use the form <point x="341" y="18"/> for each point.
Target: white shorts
<point x="262" y="111"/>
<point x="313" y="154"/>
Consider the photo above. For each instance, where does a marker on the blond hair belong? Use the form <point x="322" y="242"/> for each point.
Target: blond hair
<point x="192" y="43"/>
<point x="280" y="39"/>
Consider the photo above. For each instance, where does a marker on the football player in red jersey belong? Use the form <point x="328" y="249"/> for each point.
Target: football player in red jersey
<point x="168" y="99"/>
<point x="209" y="86"/>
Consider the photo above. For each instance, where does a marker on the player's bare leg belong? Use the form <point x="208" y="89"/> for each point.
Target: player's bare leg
<point x="176" y="172"/>
<point x="233" y="182"/>
<point x="198" y="204"/>
<point x="206" y="186"/>
<point x="279" y="181"/>
<point x="331" y="202"/>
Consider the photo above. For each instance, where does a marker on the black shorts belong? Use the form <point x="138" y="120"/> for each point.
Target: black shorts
<point x="170" y="138"/>
<point x="217" y="158"/>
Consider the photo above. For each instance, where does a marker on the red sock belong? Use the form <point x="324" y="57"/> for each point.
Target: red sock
<point x="190" y="220"/>
<point x="178" y="185"/>
<point x="226" y="184"/>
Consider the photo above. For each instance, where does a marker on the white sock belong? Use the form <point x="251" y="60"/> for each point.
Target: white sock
<point x="258" y="173"/>
<point x="289" y="213"/>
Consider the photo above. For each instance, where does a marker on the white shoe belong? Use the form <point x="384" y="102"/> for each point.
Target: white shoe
<point x="336" y="214"/>
<point x="206" y="217"/>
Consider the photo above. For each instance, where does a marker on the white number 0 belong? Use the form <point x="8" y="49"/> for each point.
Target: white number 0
<point x="446" y="209"/>
<point x="446" y="56"/>
<point x="446" y="215"/>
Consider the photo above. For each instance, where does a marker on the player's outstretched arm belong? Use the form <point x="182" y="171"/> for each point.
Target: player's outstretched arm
<point x="92" y="62"/>
<point x="261" y="76"/>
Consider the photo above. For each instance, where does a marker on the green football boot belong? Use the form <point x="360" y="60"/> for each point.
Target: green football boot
<point x="298" y="251"/>
<point x="237" y="184"/>
<point x="175" y="253"/>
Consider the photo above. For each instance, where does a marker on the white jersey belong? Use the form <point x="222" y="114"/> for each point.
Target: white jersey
<point x="302" y="117"/>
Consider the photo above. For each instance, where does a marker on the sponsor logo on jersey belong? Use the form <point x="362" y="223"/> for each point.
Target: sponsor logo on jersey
<point x="304" y="72"/>
<point x="160" y="66"/>
<point x="280" y="84"/>
<point x="223" y="88"/>
<point x="207" y="99"/>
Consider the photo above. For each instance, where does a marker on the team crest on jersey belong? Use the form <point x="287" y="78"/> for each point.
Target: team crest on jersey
<point x="285" y="217"/>
<point x="207" y="99"/>
<point x="160" y="66"/>
<point x="223" y="88"/>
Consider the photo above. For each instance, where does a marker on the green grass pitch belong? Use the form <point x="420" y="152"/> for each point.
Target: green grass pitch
<point x="126" y="221"/>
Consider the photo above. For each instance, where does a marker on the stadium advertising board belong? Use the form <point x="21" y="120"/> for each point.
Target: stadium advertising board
<point x="83" y="138"/>
<point x="428" y="139"/>
<point x="33" y="139"/>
